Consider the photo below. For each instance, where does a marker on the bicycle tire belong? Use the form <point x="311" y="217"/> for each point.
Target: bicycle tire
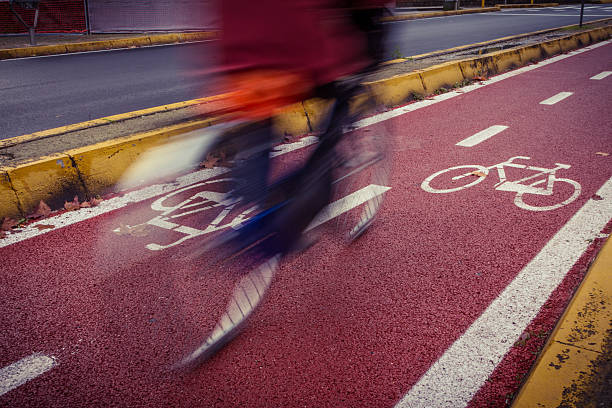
<point x="363" y="174"/>
<point x="247" y="295"/>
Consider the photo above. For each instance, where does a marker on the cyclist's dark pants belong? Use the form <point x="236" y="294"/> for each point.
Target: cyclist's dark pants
<point x="303" y="193"/>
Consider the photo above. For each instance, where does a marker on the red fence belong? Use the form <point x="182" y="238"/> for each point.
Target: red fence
<point x="55" y="16"/>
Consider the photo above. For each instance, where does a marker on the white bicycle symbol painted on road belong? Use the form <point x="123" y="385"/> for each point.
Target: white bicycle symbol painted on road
<point x="541" y="183"/>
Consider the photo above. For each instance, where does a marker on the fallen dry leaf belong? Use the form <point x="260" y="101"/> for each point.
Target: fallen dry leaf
<point x="478" y="173"/>
<point x="72" y="205"/>
<point x="95" y="201"/>
<point x="8" y="223"/>
<point x="41" y="227"/>
<point x="85" y="204"/>
<point x="210" y="161"/>
<point x="42" y="211"/>
<point x="596" y="197"/>
<point x="602" y="154"/>
<point x="141" y="230"/>
<point x="2" y="234"/>
<point x="480" y="78"/>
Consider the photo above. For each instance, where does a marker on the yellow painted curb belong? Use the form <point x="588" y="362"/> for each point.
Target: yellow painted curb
<point x="292" y="121"/>
<point x="551" y="48"/>
<point x="43" y="134"/>
<point x="441" y="76"/>
<point x="396" y="90"/>
<point x="140" y="41"/>
<point x="526" y="5"/>
<point x="506" y="60"/>
<point x="52" y="179"/>
<point x="99" y="166"/>
<point x="534" y="53"/>
<point x="564" y="368"/>
<point x="164" y="39"/>
<point x="8" y="198"/>
<point x="416" y="16"/>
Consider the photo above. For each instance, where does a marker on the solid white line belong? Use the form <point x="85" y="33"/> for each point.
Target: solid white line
<point x="23" y="371"/>
<point x="602" y="75"/>
<point x="556" y="98"/>
<point x="482" y="136"/>
<point x="454" y="379"/>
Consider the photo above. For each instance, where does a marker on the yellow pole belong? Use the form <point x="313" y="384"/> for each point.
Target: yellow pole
<point x="483" y="3"/>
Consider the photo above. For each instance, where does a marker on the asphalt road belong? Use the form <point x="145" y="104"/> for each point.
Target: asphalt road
<point x="42" y="93"/>
<point x="424" y="310"/>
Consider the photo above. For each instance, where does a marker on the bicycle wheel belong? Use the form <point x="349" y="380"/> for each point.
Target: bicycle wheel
<point x="247" y="295"/>
<point x="446" y="177"/>
<point x="362" y="177"/>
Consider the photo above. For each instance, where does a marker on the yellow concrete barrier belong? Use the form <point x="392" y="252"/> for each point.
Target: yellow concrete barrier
<point x="506" y="60"/>
<point x="316" y="109"/>
<point x="9" y="206"/>
<point x="52" y="179"/>
<point x="441" y="76"/>
<point x="164" y="38"/>
<point x="550" y="48"/>
<point x="292" y="121"/>
<point x="599" y="34"/>
<point x="396" y="90"/>
<point x="531" y="53"/>
<point x="568" y="43"/>
<point x="101" y="166"/>
<point x="88" y="46"/>
<point x="478" y="67"/>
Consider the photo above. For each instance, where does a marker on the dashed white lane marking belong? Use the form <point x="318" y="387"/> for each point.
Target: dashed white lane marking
<point x="482" y="136"/>
<point x="602" y="75"/>
<point x="24" y="370"/>
<point x="557" y="98"/>
<point x="454" y="379"/>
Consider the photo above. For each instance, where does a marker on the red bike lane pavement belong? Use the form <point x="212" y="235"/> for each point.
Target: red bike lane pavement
<point x="358" y="325"/>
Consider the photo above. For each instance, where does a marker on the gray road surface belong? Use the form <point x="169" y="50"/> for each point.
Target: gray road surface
<point x="46" y="92"/>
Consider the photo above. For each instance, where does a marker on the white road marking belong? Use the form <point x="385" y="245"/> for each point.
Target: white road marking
<point x="472" y="358"/>
<point x="454" y="379"/>
<point x="601" y="75"/>
<point x="557" y="98"/>
<point x="347" y="203"/>
<point x="23" y="371"/>
<point x="73" y="217"/>
<point x="452" y="94"/>
<point x="482" y="136"/>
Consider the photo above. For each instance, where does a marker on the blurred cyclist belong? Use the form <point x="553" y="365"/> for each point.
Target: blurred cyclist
<point x="276" y="53"/>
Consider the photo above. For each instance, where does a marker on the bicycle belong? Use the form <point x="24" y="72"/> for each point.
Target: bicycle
<point x="521" y="187"/>
<point x="206" y="211"/>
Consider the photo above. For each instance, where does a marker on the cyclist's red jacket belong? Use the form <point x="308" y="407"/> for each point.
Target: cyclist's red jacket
<point x="313" y="38"/>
